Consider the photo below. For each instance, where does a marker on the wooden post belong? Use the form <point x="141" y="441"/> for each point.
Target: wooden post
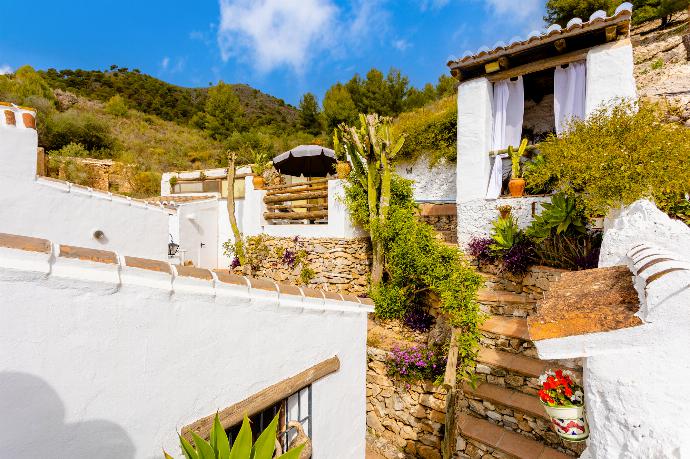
<point x="41" y="162"/>
<point x="234" y="414"/>
<point x="686" y="44"/>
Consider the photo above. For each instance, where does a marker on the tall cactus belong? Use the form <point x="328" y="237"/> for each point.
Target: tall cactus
<point x="372" y="150"/>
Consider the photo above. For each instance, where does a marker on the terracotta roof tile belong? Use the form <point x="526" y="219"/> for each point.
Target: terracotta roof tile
<point x="590" y="301"/>
<point x="263" y="284"/>
<point x="332" y="296"/>
<point x="30" y="244"/>
<point x="350" y="298"/>
<point x="312" y="293"/>
<point x="286" y="289"/>
<point x="193" y="271"/>
<point x="151" y="265"/>
<point x="82" y="253"/>
<point x="229" y="278"/>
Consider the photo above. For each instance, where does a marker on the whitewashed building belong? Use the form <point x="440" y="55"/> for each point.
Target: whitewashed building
<point x="109" y="351"/>
<point x="528" y="88"/>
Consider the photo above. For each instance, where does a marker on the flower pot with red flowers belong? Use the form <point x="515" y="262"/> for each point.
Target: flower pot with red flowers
<point x="564" y="402"/>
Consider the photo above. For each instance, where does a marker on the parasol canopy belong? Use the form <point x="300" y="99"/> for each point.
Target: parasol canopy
<point x="307" y="160"/>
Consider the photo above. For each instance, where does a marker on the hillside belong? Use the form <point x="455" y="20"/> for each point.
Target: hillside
<point x="169" y="102"/>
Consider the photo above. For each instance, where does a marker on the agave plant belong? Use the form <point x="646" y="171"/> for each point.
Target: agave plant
<point x="218" y="446"/>
<point x="560" y="217"/>
<point x="505" y="233"/>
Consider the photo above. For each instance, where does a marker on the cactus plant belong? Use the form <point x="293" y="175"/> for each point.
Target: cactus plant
<point x="515" y="158"/>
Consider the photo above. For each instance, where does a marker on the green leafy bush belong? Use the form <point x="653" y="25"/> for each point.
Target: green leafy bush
<point x="505" y="233"/>
<point x="417" y="264"/>
<point x="218" y="446"/>
<point x="616" y="156"/>
<point x="116" y="106"/>
<point x="76" y="127"/>
<point x="560" y="216"/>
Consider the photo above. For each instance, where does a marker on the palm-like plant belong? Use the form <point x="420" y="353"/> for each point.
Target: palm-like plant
<point x="218" y="446"/>
<point x="505" y="233"/>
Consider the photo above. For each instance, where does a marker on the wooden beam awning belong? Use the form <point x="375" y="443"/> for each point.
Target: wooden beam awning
<point x="576" y="36"/>
<point x="263" y="399"/>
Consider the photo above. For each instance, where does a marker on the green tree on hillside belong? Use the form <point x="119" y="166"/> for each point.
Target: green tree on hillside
<point x="309" y="114"/>
<point x="379" y="94"/>
<point x="223" y="112"/>
<point x="338" y="107"/>
<point x="116" y="106"/>
<point x="561" y="11"/>
<point x="416" y="98"/>
<point x="446" y="86"/>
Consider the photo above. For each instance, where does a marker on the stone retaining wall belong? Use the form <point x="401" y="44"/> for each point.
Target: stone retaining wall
<point x="410" y="416"/>
<point x="535" y="282"/>
<point x="339" y="265"/>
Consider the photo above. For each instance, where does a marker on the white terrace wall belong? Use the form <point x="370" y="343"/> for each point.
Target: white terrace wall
<point x="42" y="207"/>
<point x="633" y="377"/>
<point x="435" y="183"/>
<point x="609" y="78"/>
<point x="109" y="361"/>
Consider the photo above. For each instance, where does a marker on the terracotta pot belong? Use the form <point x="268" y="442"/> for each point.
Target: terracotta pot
<point x="517" y="187"/>
<point x="569" y="422"/>
<point x="343" y="168"/>
<point x="258" y="182"/>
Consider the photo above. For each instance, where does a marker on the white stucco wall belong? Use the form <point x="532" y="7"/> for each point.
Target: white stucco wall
<point x="68" y="213"/>
<point x="108" y="361"/>
<point x="198" y="224"/>
<point x="609" y="75"/>
<point x="475" y="217"/>
<point x="633" y="377"/>
<point x="436" y="183"/>
<point x="475" y="99"/>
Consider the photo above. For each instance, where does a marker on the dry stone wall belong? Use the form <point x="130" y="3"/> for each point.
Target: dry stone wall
<point x="409" y="416"/>
<point x="339" y="265"/>
<point x="535" y="282"/>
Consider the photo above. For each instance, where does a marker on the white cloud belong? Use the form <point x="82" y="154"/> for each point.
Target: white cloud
<point x="432" y="4"/>
<point x="165" y="63"/>
<point x="521" y="9"/>
<point x="275" y="33"/>
<point x="401" y="44"/>
<point x="5" y="69"/>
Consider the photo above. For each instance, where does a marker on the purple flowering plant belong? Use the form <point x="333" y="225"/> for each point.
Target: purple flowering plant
<point x="418" y="320"/>
<point x="417" y="362"/>
<point x="480" y="248"/>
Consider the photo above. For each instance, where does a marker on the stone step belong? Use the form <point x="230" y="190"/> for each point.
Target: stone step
<point x="516" y="411"/>
<point x="517" y="401"/>
<point x="504" y="303"/>
<point x="513" y="363"/>
<point x="496" y="438"/>
<point x="507" y="334"/>
<point x="512" y="327"/>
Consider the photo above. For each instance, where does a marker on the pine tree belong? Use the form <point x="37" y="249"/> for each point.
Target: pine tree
<point x="309" y="114"/>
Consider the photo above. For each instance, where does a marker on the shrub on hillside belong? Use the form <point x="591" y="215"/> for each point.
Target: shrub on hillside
<point x="430" y="130"/>
<point x="616" y="156"/>
<point x="76" y="127"/>
<point x="116" y="106"/>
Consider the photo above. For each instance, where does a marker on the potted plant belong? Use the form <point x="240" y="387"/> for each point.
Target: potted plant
<point x="261" y="165"/>
<point x="564" y="402"/>
<point x="504" y="210"/>
<point x="517" y="183"/>
<point x="342" y="167"/>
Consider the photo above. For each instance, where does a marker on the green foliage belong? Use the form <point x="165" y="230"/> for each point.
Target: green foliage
<point x="505" y="233"/>
<point x="338" y="107"/>
<point x="561" y="11"/>
<point x="73" y="150"/>
<point x="223" y="114"/>
<point x="430" y="130"/>
<point x="560" y="216"/>
<point x="676" y="205"/>
<point x="24" y="84"/>
<point x="657" y="64"/>
<point x="262" y="161"/>
<point x="571" y="252"/>
<point x="116" y="106"/>
<point x="309" y="114"/>
<point x="618" y="155"/>
<point x="146" y="183"/>
<point x="218" y="446"/>
<point x="416" y="264"/>
<point x="72" y="170"/>
<point x="515" y="158"/>
<point x="75" y="126"/>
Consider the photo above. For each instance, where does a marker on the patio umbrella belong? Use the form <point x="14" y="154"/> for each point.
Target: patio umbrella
<point x="307" y="160"/>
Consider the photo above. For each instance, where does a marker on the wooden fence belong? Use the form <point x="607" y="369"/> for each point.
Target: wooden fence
<point x="301" y="201"/>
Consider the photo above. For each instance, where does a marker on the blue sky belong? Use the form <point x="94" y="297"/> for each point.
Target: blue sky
<point x="283" y="47"/>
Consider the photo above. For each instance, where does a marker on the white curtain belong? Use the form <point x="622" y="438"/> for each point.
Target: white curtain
<point x="569" y="93"/>
<point x="508" y="111"/>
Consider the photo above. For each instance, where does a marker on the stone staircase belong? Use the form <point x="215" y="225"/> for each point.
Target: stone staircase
<point x="502" y="416"/>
